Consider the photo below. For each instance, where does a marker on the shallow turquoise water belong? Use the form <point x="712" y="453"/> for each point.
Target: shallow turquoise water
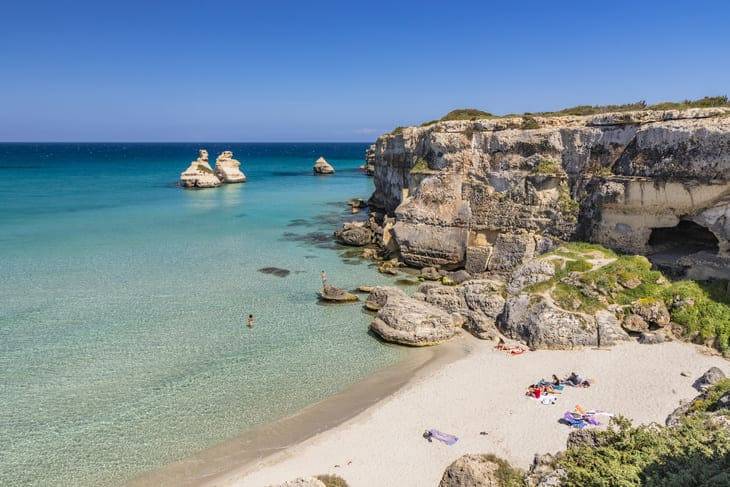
<point x="122" y="303"/>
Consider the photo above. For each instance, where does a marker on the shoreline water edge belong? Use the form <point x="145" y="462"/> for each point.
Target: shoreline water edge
<point x="267" y="443"/>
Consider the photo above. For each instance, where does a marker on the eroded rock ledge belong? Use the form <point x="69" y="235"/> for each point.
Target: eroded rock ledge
<point x="490" y="194"/>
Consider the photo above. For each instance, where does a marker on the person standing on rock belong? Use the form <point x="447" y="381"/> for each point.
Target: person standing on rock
<point x="323" y="275"/>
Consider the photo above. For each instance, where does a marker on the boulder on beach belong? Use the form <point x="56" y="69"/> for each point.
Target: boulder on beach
<point x="481" y="471"/>
<point x="336" y="295"/>
<point x="323" y="167"/>
<point x="538" y="322"/>
<point x="409" y="321"/>
<point x="228" y="169"/>
<point x="199" y="174"/>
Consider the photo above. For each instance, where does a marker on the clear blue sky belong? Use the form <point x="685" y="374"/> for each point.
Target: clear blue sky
<point x="337" y="71"/>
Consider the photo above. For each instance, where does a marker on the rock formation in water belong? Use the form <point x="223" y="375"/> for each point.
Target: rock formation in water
<point x="490" y="194"/>
<point x="228" y="169"/>
<point x="199" y="174"/>
<point x="323" y="167"/>
<point x="356" y="234"/>
<point x="336" y="295"/>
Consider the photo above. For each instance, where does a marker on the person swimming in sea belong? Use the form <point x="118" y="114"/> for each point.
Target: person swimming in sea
<point x="250" y="321"/>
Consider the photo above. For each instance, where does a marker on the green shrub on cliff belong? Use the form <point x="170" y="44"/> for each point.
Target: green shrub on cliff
<point x="706" y="102"/>
<point x="703" y="310"/>
<point x="466" y="114"/>
<point x="529" y="123"/>
<point x="547" y="167"/>
<point x="696" y="452"/>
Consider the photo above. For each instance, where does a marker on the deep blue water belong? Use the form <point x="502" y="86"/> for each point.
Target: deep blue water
<point x="122" y="302"/>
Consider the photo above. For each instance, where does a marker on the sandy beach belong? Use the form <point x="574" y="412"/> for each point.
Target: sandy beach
<point x="485" y="392"/>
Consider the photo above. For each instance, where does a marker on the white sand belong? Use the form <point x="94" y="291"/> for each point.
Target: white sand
<point x="486" y="392"/>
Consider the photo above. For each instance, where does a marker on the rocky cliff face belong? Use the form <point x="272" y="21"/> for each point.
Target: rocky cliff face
<point x="488" y="194"/>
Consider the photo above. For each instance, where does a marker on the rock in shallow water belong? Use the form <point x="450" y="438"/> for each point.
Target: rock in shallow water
<point x="334" y="294"/>
<point x="199" y="174"/>
<point x="355" y="234"/>
<point x="323" y="167"/>
<point x="408" y="321"/>
<point x="228" y="169"/>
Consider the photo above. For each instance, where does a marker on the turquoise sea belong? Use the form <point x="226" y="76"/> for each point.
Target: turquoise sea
<point x="123" y="298"/>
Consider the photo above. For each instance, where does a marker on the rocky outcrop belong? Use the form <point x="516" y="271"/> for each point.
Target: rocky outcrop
<point x="490" y="194"/>
<point x="323" y="167"/>
<point x="480" y="471"/>
<point x="409" y="321"/>
<point x="199" y="174"/>
<point x="228" y="169"/>
<point x="369" y="166"/>
<point x="708" y="379"/>
<point x="537" y="321"/>
<point x="479" y="302"/>
<point x="336" y="295"/>
<point x="356" y="234"/>
<point x="704" y="383"/>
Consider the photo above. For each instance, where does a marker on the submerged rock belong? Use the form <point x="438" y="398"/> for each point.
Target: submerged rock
<point x="334" y="294"/>
<point x="276" y="271"/>
<point x="323" y="167"/>
<point x="408" y="321"/>
<point x="228" y="169"/>
<point x="199" y="174"/>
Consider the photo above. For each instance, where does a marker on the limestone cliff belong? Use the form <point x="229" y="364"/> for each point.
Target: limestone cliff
<point x="487" y="194"/>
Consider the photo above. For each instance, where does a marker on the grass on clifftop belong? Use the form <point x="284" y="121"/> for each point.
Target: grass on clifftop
<point x="696" y="452"/>
<point x="529" y="122"/>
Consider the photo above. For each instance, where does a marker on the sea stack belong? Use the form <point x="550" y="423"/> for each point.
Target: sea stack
<point x="323" y="167"/>
<point x="199" y="174"/>
<point x="228" y="169"/>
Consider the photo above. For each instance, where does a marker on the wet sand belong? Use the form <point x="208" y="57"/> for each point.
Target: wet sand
<point x="248" y="452"/>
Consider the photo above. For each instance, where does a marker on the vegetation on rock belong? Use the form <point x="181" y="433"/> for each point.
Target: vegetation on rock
<point x="332" y="480"/>
<point x="529" y="122"/>
<point x="589" y="277"/>
<point x="695" y="452"/>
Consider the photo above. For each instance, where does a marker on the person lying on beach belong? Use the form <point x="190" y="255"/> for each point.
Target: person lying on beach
<point x="577" y="381"/>
<point x="512" y="349"/>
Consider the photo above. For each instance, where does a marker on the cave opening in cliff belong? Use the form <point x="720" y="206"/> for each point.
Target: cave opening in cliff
<point x="687" y="237"/>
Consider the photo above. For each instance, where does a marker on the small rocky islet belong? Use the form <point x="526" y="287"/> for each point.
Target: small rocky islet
<point x="200" y="175"/>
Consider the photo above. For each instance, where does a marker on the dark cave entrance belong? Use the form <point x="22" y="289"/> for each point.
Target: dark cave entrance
<point x="686" y="238"/>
